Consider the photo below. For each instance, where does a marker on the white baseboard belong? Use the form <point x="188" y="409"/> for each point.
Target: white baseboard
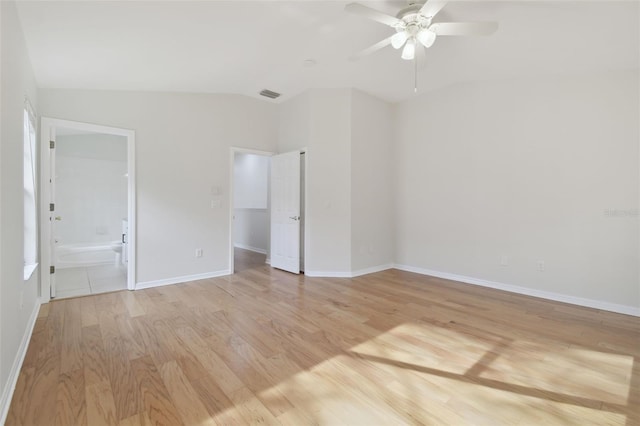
<point x="590" y="303"/>
<point x="10" y="386"/>
<point x="371" y="270"/>
<point x="348" y="274"/>
<point x="268" y="261"/>
<point x="327" y="274"/>
<point x="254" y="249"/>
<point x="183" y="279"/>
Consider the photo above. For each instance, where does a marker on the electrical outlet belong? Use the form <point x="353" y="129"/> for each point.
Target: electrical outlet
<point x="198" y="252"/>
<point x="540" y="265"/>
<point x="504" y="260"/>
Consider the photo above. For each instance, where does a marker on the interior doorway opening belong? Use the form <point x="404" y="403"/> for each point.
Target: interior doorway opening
<point x="88" y="208"/>
<point x="249" y="209"/>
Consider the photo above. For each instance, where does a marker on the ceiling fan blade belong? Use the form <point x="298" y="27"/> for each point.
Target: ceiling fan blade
<point x="371" y="49"/>
<point x="367" y="12"/>
<point x="464" y="28"/>
<point x="432" y="7"/>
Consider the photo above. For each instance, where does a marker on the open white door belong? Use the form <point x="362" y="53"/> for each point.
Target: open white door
<point x="285" y="211"/>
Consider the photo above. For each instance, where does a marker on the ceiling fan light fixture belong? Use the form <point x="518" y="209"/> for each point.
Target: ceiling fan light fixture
<point x="427" y="37"/>
<point x="398" y="39"/>
<point x="409" y="51"/>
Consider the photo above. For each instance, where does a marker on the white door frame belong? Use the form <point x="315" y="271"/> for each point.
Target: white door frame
<point x="232" y="155"/>
<point x="46" y="127"/>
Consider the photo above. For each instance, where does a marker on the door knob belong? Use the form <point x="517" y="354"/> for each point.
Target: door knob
<point x="58" y="218"/>
<point x="294" y="217"/>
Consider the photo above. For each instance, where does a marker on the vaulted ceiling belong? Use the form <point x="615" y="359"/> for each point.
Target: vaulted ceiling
<point x="245" y="46"/>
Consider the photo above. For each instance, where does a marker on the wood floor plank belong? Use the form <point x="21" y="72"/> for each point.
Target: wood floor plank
<point x="121" y="378"/>
<point x="88" y="311"/>
<point x="251" y="409"/>
<point x="93" y="356"/>
<point x="267" y="347"/>
<point x="191" y="409"/>
<point x="37" y="344"/>
<point x="18" y="410"/>
<point x="134" y="308"/>
<point x="131" y="337"/>
<point x="145" y="327"/>
<point x="41" y="386"/>
<point x="156" y="402"/>
<point x="71" y="408"/>
<point x="101" y="408"/>
<point x="252" y="375"/>
<point x="217" y="403"/>
<point x="44" y="311"/>
<point x="213" y="363"/>
<point x="137" y="420"/>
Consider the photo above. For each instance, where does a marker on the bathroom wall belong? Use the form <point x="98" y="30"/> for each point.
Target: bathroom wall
<point x="250" y="201"/>
<point x="91" y="187"/>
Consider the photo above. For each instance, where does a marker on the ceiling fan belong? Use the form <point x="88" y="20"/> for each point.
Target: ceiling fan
<point x="414" y="27"/>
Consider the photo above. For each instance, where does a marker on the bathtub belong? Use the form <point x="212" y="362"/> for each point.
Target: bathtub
<point x="84" y="255"/>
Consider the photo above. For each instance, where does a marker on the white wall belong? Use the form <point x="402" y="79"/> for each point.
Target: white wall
<point x="251" y="202"/>
<point x="18" y="298"/>
<point x="250" y="181"/>
<point x="251" y="230"/>
<point x="294" y="123"/>
<point x="372" y="163"/>
<point x="91" y="188"/>
<point x="525" y="169"/>
<point x="182" y="152"/>
<point x="328" y="177"/>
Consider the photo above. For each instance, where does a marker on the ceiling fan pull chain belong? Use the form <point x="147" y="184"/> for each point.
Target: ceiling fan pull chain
<point x="415" y="69"/>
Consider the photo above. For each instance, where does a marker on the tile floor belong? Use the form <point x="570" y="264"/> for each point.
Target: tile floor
<point x="72" y="282"/>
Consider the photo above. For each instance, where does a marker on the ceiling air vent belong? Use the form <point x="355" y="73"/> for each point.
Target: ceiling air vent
<point x="269" y="94"/>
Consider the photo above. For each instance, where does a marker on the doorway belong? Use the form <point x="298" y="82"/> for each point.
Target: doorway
<point x="249" y="209"/>
<point x="88" y="208"/>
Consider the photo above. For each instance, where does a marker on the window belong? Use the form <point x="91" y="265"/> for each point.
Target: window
<point x="29" y="180"/>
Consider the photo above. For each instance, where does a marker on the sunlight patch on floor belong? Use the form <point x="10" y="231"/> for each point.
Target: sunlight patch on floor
<point x="527" y="380"/>
<point x="429" y="346"/>
<point x="570" y="371"/>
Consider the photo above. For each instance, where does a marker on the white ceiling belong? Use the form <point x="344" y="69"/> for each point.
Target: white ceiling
<point x="245" y="46"/>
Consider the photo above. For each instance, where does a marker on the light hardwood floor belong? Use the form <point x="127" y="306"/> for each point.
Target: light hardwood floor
<point x="265" y="346"/>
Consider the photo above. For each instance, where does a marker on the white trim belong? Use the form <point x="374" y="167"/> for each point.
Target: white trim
<point x="348" y="274"/>
<point x="29" y="270"/>
<point x="183" y="279"/>
<point x="305" y="216"/>
<point x="46" y="126"/>
<point x="10" y="385"/>
<point x="590" y="303"/>
<point x="371" y="270"/>
<point x="132" y="221"/>
<point x="328" y="274"/>
<point x="232" y="156"/>
<point x="253" y="249"/>
<point x="268" y="261"/>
